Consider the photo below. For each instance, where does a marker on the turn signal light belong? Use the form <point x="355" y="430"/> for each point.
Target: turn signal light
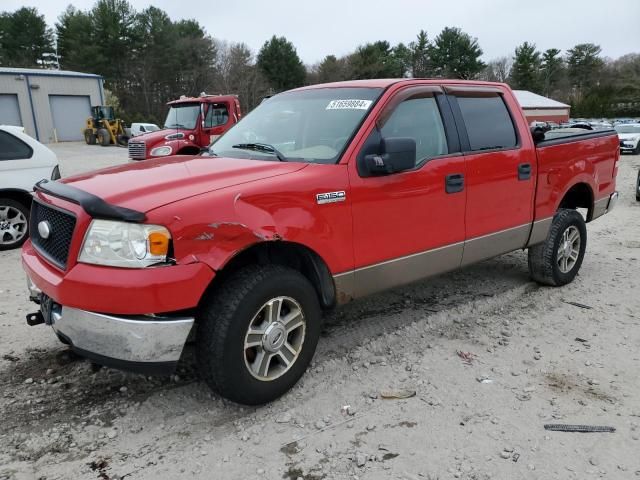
<point x="158" y="243"/>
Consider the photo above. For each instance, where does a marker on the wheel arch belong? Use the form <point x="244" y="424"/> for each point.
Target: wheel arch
<point x="188" y="150"/>
<point x="290" y="254"/>
<point x="579" y="195"/>
<point x="22" y="196"/>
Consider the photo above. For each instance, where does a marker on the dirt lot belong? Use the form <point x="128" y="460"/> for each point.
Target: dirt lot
<point x="535" y="359"/>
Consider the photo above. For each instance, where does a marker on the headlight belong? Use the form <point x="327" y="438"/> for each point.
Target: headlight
<point x="122" y="244"/>
<point x="161" y="151"/>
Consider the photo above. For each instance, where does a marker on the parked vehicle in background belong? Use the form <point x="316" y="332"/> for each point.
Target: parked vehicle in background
<point x="141" y="128"/>
<point x="192" y="124"/>
<point x="103" y="128"/>
<point x="629" y="134"/>
<point x="252" y="240"/>
<point x="23" y="162"/>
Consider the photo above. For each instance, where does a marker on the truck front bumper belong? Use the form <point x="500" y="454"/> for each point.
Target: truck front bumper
<point x="139" y="343"/>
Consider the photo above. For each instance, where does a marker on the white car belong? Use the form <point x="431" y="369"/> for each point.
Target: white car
<point x="142" y="128"/>
<point x="23" y="162"/>
<point x="629" y="134"/>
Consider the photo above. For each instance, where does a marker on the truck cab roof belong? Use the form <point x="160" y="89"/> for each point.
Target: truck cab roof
<point x="205" y="99"/>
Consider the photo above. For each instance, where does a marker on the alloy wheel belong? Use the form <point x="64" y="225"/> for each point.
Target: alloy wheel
<point x="274" y="339"/>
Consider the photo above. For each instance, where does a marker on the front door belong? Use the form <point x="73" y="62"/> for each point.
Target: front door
<point x="501" y="172"/>
<point x="215" y="122"/>
<point x="410" y="224"/>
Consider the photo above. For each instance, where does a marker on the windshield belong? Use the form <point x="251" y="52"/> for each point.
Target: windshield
<point x="183" y="116"/>
<point x="627" y="128"/>
<point x="307" y="125"/>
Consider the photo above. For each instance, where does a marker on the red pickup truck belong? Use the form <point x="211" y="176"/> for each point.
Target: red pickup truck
<point x="321" y="195"/>
<point x="192" y="123"/>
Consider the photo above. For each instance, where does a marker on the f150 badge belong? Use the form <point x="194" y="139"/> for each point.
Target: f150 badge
<point x="331" y="197"/>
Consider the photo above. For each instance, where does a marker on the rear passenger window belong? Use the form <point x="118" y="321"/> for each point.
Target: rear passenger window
<point x="418" y="118"/>
<point x="489" y="125"/>
<point x="13" y="149"/>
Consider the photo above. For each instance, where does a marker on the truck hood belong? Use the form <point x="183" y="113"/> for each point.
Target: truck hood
<point x="146" y="185"/>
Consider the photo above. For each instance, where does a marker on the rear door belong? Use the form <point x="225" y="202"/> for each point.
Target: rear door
<point x="500" y="171"/>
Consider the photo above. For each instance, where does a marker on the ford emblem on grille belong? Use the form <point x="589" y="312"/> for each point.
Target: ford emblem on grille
<point x="44" y="229"/>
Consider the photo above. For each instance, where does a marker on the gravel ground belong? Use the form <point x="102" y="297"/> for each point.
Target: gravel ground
<point x="527" y="358"/>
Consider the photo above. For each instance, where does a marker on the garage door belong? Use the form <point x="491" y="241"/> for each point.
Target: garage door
<point x="69" y="114"/>
<point x="9" y="110"/>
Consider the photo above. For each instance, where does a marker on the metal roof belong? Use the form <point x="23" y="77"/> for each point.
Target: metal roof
<point x="46" y="73"/>
<point x="528" y="99"/>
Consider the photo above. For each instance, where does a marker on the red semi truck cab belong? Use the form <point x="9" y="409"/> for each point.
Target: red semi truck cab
<point x="320" y="196"/>
<point x="192" y="123"/>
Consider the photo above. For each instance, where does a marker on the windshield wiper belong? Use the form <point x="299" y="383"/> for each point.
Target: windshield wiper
<point x="261" y="147"/>
<point x="175" y="125"/>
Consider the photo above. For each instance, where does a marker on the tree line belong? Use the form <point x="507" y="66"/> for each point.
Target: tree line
<point x="148" y="59"/>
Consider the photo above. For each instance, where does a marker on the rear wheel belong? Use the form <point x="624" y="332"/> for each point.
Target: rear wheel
<point x="557" y="261"/>
<point x="257" y="333"/>
<point x="14" y="223"/>
<point x="89" y="137"/>
<point x="104" y="138"/>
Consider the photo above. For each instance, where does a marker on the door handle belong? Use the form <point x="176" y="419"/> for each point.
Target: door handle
<point x="524" y="171"/>
<point x="454" y="183"/>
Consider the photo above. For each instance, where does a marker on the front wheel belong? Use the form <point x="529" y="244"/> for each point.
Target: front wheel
<point x="14" y="223"/>
<point x="104" y="138"/>
<point x="257" y="333"/>
<point x="557" y="261"/>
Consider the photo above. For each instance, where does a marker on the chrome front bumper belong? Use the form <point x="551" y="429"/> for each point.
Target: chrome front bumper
<point x="141" y="344"/>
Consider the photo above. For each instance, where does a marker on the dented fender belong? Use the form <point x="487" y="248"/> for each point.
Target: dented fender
<point x="215" y="227"/>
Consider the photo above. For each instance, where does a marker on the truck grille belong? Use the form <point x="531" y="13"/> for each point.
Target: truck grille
<point x="137" y="150"/>
<point x="55" y="247"/>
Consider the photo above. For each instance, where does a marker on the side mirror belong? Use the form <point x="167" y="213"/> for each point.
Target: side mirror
<point x="537" y="133"/>
<point x="397" y="154"/>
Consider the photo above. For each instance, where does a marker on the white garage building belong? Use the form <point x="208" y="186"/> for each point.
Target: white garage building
<point x="52" y="105"/>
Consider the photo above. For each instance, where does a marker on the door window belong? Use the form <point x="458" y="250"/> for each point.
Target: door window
<point x="13" y="149"/>
<point x="489" y="125"/>
<point x="418" y="118"/>
<point x="216" y="115"/>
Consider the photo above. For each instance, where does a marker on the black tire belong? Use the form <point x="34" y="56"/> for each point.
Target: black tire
<point x="543" y="258"/>
<point x="103" y="137"/>
<point x="14" y="206"/>
<point x="223" y="322"/>
<point x="122" y="140"/>
<point x="89" y="137"/>
<point x="637" y="149"/>
<point x="638" y="187"/>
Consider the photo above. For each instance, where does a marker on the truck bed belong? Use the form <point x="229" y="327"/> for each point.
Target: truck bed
<point x="590" y="158"/>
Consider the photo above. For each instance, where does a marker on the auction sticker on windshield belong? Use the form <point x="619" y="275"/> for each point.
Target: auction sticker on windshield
<point x="349" y="104"/>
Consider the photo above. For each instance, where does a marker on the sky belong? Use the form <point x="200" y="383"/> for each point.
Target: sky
<point x="324" y="27"/>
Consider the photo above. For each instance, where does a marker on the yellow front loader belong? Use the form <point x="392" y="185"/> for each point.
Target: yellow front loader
<point x="103" y="128"/>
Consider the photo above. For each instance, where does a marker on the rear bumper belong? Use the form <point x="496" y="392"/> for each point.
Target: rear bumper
<point x="149" y="345"/>
<point x="604" y="205"/>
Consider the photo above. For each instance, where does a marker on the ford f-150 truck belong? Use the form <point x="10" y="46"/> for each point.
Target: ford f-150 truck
<point x="192" y="123"/>
<point x="319" y="196"/>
